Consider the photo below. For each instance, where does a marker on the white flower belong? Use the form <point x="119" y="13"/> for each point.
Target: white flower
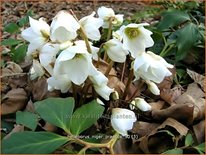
<point x="100" y="102"/>
<point x="115" y="50"/>
<point x="95" y="50"/>
<point x="36" y="70"/>
<point x="153" y="87"/>
<point x="117" y="35"/>
<point x="108" y="14"/>
<point x="140" y="104"/>
<point x="37" y="34"/>
<point x="122" y="120"/>
<point x="65" y="45"/>
<point x="136" y="38"/>
<point x="99" y="81"/>
<point x="76" y="63"/>
<point x="47" y="56"/>
<point x="62" y="83"/>
<point x="91" y="26"/>
<point x="64" y="27"/>
<point x="151" y="67"/>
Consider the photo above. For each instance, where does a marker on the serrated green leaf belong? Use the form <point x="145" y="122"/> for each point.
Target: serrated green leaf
<point x="28" y="142"/>
<point x="25" y="20"/>
<point x="201" y="147"/>
<point x="85" y="116"/>
<point x="189" y="140"/>
<point x="27" y="119"/>
<point x="11" y="28"/>
<point x="10" y="42"/>
<point x="19" y="54"/>
<point x="174" y="151"/>
<point x="56" y="111"/>
<point x="172" y="18"/>
<point x="186" y="39"/>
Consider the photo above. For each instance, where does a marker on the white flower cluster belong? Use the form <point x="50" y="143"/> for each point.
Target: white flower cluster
<point x="68" y="59"/>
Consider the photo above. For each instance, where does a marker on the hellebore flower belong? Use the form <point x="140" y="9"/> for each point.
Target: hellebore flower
<point x="136" y="38"/>
<point x="99" y="81"/>
<point x="63" y="27"/>
<point x="36" y="70"/>
<point x="62" y="83"/>
<point x="37" y="34"/>
<point x="108" y="14"/>
<point x="122" y="120"/>
<point x="151" y="67"/>
<point x="140" y="104"/>
<point x="91" y="26"/>
<point x="47" y="56"/>
<point x="153" y="87"/>
<point x="115" y="50"/>
<point x="76" y="63"/>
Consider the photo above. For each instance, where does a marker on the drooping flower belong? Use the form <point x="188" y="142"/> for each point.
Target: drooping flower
<point x="108" y="14"/>
<point x="76" y="63"/>
<point x="37" y="34"/>
<point x="100" y="81"/>
<point x="91" y="26"/>
<point x="140" y="104"/>
<point x="136" y="38"/>
<point x="115" y="50"/>
<point x="47" y="56"/>
<point x="62" y="83"/>
<point x="122" y="120"/>
<point x="151" y="67"/>
<point x="153" y="87"/>
<point x="36" y="70"/>
<point x="64" y="27"/>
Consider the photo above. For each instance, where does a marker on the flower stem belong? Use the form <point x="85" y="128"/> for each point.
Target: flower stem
<point x="109" y="68"/>
<point x="131" y="74"/>
<point x="83" y="34"/>
<point x="109" y="33"/>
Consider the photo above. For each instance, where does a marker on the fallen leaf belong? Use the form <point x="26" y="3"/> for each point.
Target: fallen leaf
<point x="162" y="138"/>
<point x="198" y="78"/>
<point x="143" y="128"/>
<point x="11" y="68"/>
<point x="40" y="90"/>
<point x="14" y="100"/>
<point x="49" y="127"/>
<point x="169" y="95"/>
<point x="180" y="112"/>
<point x="157" y="105"/>
<point x="199" y="131"/>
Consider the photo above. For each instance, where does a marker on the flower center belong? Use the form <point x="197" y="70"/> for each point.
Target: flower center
<point x="132" y="32"/>
<point x="44" y="34"/>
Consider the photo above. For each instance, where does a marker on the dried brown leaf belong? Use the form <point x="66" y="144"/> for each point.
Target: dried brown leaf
<point x="49" y="127"/>
<point x="198" y="78"/>
<point x="13" y="101"/>
<point x="11" y="68"/>
<point x="180" y="112"/>
<point x="169" y="95"/>
<point x="199" y="131"/>
<point x="157" y="105"/>
<point x="40" y="90"/>
<point x="159" y="140"/>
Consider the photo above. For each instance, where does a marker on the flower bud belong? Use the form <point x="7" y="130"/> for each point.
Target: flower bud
<point x="141" y="104"/>
<point x="122" y="120"/>
<point x="153" y="88"/>
<point x="115" y="95"/>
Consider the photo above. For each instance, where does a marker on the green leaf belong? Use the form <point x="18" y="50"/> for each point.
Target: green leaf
<point x="186" y="38"/>
<point x="27" y="119"/>
<point x="189" y="140"/>
<point x="85" y="116"/>
<point x="28" y="142"/>
<point x="56" y="111"/>
<point x="200" y="147"/>
<point x="25" y="20"/>
<point x="19" y="53"/>
<point x="171" y="18"/>
<point x="11" y="28"/>
<point x="174" y="151"/>
<point x="10" y="42"/>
